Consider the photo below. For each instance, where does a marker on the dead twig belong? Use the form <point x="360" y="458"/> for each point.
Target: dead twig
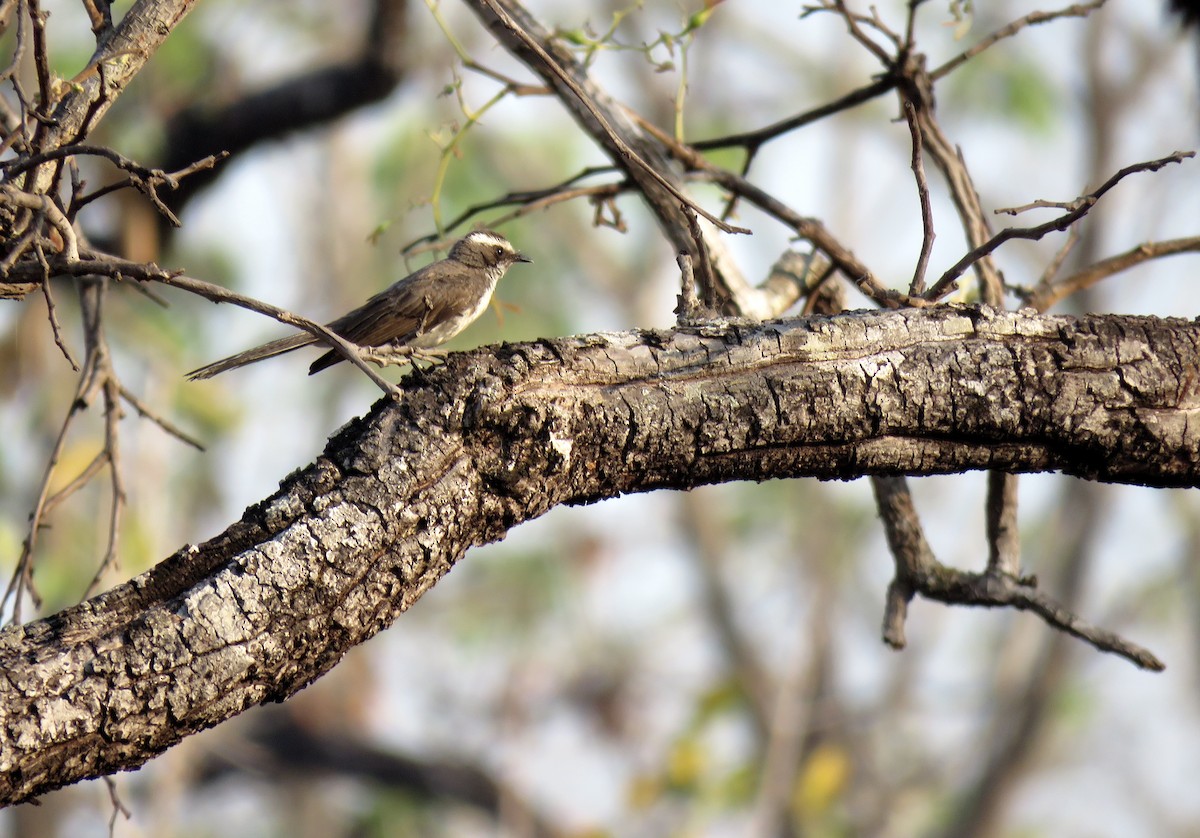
<point x="1003" y="536"/>
<point x="52" y="312"/>
<point x="917" y="286"/>
<point x="148" y="413"/>
<point x="1007" y="31"/>
<point x="217" y="294"/>
<point x="145" y="180"/>
<point x="1080" y="207"/>
<point x="44" y="206"/>
<point x="562" y="191"/>
<point x="919" y="572"/>
<point x="910" y="551"/>
<point x="812" y="230"/>
<point x="1047" y="293"/>
<point x="613" y="136"/>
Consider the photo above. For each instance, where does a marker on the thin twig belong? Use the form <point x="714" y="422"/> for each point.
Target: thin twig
<point x="118" y="807"/>
<point x="51" y="312"/>
<point x="145" y="181"/>
<point x="169" y="427"/>
<point x="1046" y="294"/>
<point x="223" y="295"/>
<point x="1082" y="206"/>
<point x="19" y="244"/>
<point x="965" y="197"/>
<point x="753" y="140"/>
<point x="22" y="578"/>
<point x="624" y="148"/>
<point x="708" y="280"/>
<point x="112" y="447"/>
<point x="599" y="195"/>
<point x="1057" y="260"/>
<point x="94" y="263"/>
<point x="852" y="25"/>
<point x="1032" y="19"/>
<point x="528" y="196"/>
<point x="818" y="234"/>
<point x="1012" y="592"/>
<point x="41" y="59"/>
<point x="85" y="476"/>
<point x="917" y="286"/>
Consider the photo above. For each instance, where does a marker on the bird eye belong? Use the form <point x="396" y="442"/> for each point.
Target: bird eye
<point x="499" y="251"/>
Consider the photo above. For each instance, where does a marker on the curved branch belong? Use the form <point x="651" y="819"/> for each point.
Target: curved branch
<point x="502" y="435"/>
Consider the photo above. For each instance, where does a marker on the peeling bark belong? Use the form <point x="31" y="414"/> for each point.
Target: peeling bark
<point x="503" y="434"/>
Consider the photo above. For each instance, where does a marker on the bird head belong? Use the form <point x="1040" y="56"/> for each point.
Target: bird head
<point x="488" y="250"/>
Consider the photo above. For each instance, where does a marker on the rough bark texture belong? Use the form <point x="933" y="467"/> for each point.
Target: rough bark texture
<point x="503" y="434"/>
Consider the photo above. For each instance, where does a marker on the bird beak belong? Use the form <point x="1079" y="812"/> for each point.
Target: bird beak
<point x="521" y="257"/>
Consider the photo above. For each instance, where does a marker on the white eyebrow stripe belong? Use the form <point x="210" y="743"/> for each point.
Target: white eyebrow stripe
<point x="487" y="238"/>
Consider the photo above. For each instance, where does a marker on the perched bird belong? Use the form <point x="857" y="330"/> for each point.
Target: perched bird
<point x="419" y="312"/>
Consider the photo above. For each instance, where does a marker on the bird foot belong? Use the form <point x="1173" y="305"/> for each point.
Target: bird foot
<point x="399" y="355"/>
<point x="388" y="355"/>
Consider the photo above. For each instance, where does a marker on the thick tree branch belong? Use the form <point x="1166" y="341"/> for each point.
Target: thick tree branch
<point x="503" y="434"/>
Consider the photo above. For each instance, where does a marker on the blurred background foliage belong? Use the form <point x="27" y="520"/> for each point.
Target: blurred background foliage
<point x="675" y="664"/>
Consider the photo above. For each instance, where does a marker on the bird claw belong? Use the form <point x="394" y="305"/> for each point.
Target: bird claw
<point x="388" y="355"/>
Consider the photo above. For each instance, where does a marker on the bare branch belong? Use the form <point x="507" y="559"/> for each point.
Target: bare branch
<point x="1003" y="536"/>
<point x="1032" y="19"/>
<point x="814" y="231"/>
<point x="919" y="572"/>
<point x="910" y="550"/>
<point x="615" y="138"/>
<point x="688" y="306"/>
<point x="1047" y="294"/>
<point x="218" y="294"/>
<point x="917" y="286"/>
<point x="531" y="202"/>
<point x="169" y="427"/>
<point x="990" y="590"/>
<point x="1082" y="206"/>
<point x="786" y="399"/>
<point x="567" y="77"/>
<point x="52" y="316"/>
<point x="753" y="140"/>
<point x="44" y="206"/>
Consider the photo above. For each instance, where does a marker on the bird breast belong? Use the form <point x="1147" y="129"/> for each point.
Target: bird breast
<point x="451" y="326"/>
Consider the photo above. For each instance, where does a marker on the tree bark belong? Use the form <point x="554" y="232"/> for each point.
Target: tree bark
<point x="503" y="434"/>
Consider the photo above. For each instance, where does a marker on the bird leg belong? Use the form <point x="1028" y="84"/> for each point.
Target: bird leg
<point x="388" y="355"/>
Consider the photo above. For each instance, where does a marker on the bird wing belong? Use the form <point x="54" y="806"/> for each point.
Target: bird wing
<point x="397" y="314"/>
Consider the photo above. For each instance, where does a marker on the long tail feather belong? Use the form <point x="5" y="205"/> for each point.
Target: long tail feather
<point x="258" y="353"/>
